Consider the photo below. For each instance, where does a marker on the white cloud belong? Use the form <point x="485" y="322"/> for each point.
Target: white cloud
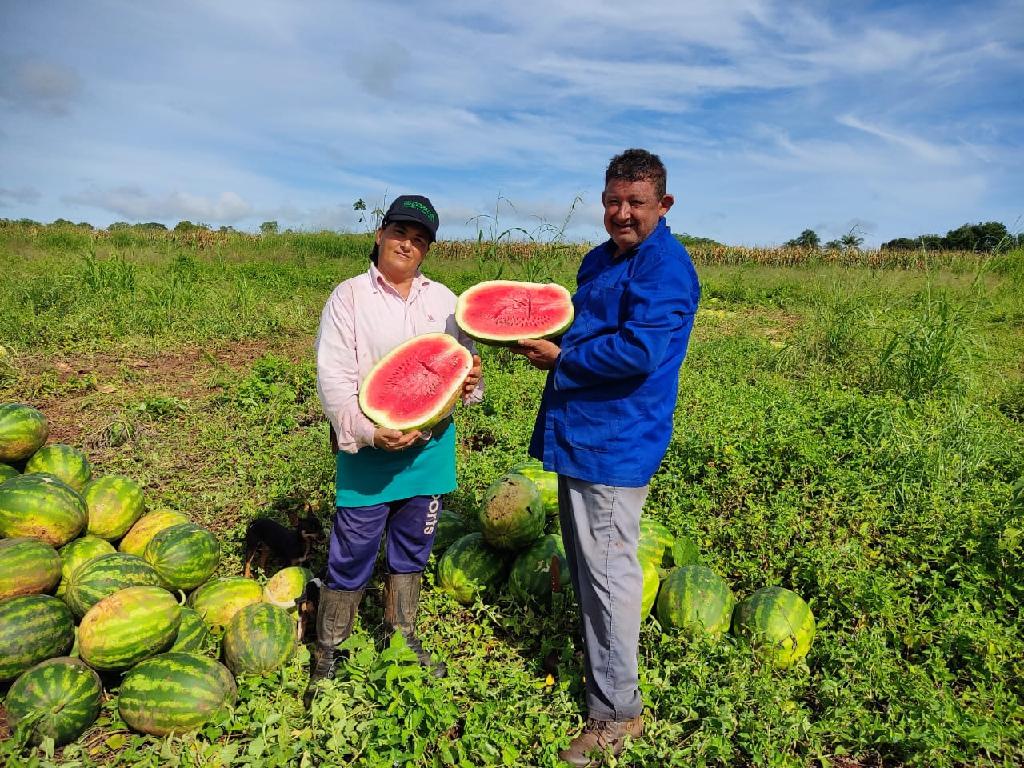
<point x="136" y="204"/>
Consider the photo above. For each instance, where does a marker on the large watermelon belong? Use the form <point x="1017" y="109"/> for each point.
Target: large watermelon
<point x="417" y="383"/>
<point x="137" y="539"/>
<point x="60" y="697"/>
<point x="651" y="584"/>
<point x="103" y="576"/>
<point x="777" y="622"/>
<point x="184" y="555"/>
<point x="33" y="628"/>
<point x="259" y="639"/>
<point x="286" y="586"/>
<point x="655" y="542"/>
<point x="501" y="312"/>
<point x="695" y="599"/>
<point x="62" y="461"/>
<point x="77" y="553"/>
<point x="23" y="430"/>
<point x="115" y="503"/>
<point x="531" y="577"/>
<point x="128" y="626"/>
<point x="7" y="472"/>
<point x="546" y="482"/>
<point x="450" y="526"/>
<point x="27" y="567"/>
<point x="218" y="600"/>
<point x="512" y="514"/>
<point x="193" y="634"/>
<point x="41" y="507"/>
<point x="175" y="692"/>
<point x="470" y="568"/>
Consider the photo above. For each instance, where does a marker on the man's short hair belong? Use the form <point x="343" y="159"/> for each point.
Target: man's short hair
<point x="637" y="165"/>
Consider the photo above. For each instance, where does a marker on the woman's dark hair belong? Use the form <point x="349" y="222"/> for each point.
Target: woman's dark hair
<point x="637" y="165"/>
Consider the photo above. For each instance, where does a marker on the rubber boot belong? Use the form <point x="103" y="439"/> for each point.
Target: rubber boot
<point x="334" y="618"/>
<point x="401" y="603"/>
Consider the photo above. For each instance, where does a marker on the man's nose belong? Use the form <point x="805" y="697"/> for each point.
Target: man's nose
<point x="623" y="212"/>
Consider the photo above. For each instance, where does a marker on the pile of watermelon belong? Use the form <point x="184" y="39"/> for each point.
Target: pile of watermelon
<point x="90" y="583"/>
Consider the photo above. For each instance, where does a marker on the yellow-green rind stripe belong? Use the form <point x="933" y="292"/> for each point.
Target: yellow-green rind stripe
<point x="259" y="639"/>
<point x="217" y="601"/>
<point x="64" y="691"/>
<point x="778" y="623"/>
<point x="7" y="472"/>
<point x="63" y="461"/>
<point x="77" y="553"/>
<point x="32" y="628"/>
<point x="105" y="575"/>
<point x="27" y="567"/>
<point x="23" y="429"/>
<point x="695" y="599"/>
<point x="127" y="627"/>
<point x="193" y="634"/>
<point x="469" y="567"/>
<point x="41" y="507"/>
<point x="115" y="503"/>
<point x="137" y="538"/>
<point x="184" y="555"/>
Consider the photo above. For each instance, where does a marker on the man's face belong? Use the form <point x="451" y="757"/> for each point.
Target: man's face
<point x="402" y="246"/>
<point x="632" y="210"/>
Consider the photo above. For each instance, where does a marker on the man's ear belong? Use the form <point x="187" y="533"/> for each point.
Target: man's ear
<point x="666" y="203"/>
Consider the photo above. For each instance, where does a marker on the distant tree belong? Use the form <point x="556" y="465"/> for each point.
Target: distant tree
<point x="226" y="229"/>
<point x="834" y="245"/>
<point x="901" y="244"/>
<point x="152" y="225"/>
<point x="692" y="240"/>
<point x="851" y="241"/>
<point x="806" y="239"/>
<point x="62" y="223"/>
<point x="118" y="225"/>
<point x="188" y="226"/>
<point x="359" y="205"/>
<point x="976" y="237"/>
<point x="268" y="228"/>
<point x="84" y="225"/>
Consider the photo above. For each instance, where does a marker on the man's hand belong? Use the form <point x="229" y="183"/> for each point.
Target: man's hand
<point x="541" y="353"/>
<point x="472" y="379"/>
<point x="394" y="440"/>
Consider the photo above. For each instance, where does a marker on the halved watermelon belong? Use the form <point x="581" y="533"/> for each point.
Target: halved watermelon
<point x="417" y="383"/>
<point x="500" y="312"/>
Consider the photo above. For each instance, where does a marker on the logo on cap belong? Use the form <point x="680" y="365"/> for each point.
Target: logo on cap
<point x="422" y="208"/>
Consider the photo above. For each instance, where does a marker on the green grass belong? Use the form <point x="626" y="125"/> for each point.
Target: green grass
<point x="849" y="432"/>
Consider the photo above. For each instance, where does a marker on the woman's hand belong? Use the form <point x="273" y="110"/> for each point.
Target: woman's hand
<point x="394" y="440"/>
<point x="472" y="379"/>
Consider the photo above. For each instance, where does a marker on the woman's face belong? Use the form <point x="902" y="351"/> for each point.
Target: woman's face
<point x="401" y="248"/>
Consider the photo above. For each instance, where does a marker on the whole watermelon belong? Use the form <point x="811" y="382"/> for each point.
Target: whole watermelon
<point x="62" y="461"/>
<point x="60" y="696"/>
<point x="115" y="503"/>
<point x="41" y="507"/>
<point x="531" y="577"/>
<point x="7" y="472"/>
<point x="27" y="567"/>
<point x="546" y="482"/>
<point x="128" y="626"/>
<point x="695" y="600"/>
<point x="77" y="553"/>
<point x="778" y="623"/>
<point x="23" y="430"/>
<point x="286" y="586"/>
<point x="512" y="514"/>
<point x="184" y="555"/>
<point x="103" y="576"/>
<point x="470" y="568"/>
<point x="193" y="634"/>
<point x="138" y="537"/>
<point x="218" y="600"/>
<point x="32" y="628"/>
<point x="655" y="542"/>
<point x="450" y="526"/>
<point x="175" y="692"/>
<point x="259" y="639"/>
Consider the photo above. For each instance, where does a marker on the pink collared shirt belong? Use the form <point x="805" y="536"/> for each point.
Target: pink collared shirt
<point x="363" y="320"/>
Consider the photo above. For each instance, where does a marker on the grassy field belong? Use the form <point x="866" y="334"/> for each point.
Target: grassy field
<point x="849" y="426"/>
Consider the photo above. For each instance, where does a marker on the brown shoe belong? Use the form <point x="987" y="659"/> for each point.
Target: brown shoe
<point x="600" y="738"/>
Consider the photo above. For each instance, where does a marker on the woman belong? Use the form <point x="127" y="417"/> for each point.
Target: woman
<point x="387" y="482"/>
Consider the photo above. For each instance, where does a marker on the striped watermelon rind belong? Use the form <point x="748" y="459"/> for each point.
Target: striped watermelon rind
<point x="60" y="696"/>
<point x="33" y="628"/>
<point x="649" y="591"/>
<point x="259" y="639"/>
<point x="512" y="515"/>
<point x="114" y="503"/>
<point x="470" y="568"/>
<point x="546" y="482"/>
<point x="184" y="555"/>
<point x="193" y="634"/>
<point x="175" y="693"/>
<point x="23" y="430"/>
<point x="530" y="576"/>
<point x="7" y="472"/>
<point x="778" y="624"/>
<point x="138" y="537"/>
<point x="128" y="626"/>
<point x="450" y="526"/>
<point x="655" y="543"/>
<point x="63" y="461"/>
<point x="103" y="576"/>
<point x="218" y="600"/>
<point x="27" y="567"/>
<point x="77" y="553"/>
<point x="286" y="586"/>
<point x="696" y="600"/>
<point x="41" y="507"/>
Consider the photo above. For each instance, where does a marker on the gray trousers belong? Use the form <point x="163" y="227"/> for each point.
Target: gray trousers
<point x="600" y="530"/>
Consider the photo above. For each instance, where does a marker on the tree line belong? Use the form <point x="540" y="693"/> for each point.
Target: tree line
<point x="983" y="237"/>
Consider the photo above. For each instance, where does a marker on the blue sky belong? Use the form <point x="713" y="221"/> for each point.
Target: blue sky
<point x="890" y="118"/>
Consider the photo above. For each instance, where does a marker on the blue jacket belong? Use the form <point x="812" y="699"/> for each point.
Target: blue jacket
<point x="606" y="412"/>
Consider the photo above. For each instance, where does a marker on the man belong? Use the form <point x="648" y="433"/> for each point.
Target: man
<point x="604" y="423"/>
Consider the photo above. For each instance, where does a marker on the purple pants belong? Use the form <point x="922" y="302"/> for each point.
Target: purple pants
<point x="355" y="539"/>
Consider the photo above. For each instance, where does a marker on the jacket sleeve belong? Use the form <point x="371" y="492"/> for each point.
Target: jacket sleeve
<point x="337" y="372"/>
<point x="660" y="299"/>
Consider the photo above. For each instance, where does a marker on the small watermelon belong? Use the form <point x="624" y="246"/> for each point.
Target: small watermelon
<point x="33" y="628"/>
<point x="531" y="577"/>
<point x="778" y="623"/>
<point x="450" y="526"/>
<point x="695" y="599"/>
<point x="470" y="568"/>
<point x="68" y="464"/>
<point x="128" y="626"/>
<point x="218" y="600"/>
<point x="23" y="430"/>
<point x="655" y="542"/>
<point x="512" y="514"/>
<point x="651" y="583"/>
<point x="259" y="639"/>
<point x="7" y="472"/>
<point x="27" y="567"/>
<point x="137" y="538"/>
<point x="546" y="482"/>
<point x="175" y="692"/>
<point x="103" y="576"/>
<point x="184" y="555"/>
<point x="41" y="507"/>
<point x="286" y="586"/>
<point x="193" y="634"/>
<point x="115" y="503"/>
<point x="77" y="553"/>
<point x="61" y="697"/>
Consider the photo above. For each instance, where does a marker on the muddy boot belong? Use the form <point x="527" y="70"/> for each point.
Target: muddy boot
<point x="334" y="618"/>
<point x="599" y="739"/>
<point x="401" y="602"/>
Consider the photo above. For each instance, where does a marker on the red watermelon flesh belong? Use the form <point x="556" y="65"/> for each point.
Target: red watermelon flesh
<point x="504" y="311"/>
<point x="416" y="384"/>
